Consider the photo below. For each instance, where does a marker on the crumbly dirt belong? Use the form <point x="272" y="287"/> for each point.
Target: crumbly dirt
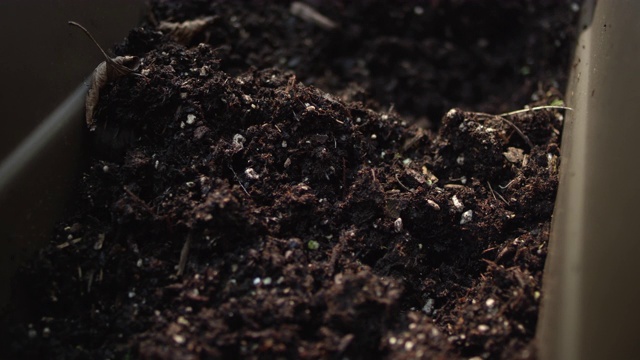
<point x="273" y="188"/>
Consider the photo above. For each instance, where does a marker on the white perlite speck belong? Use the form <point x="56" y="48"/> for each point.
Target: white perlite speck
<point x="191" y="119"/>
<point x="251" y="174"/>
<point x="466" y="217"/>
<point x="238" y="142"/>
<point x="428" y="307"/>
<point x="397" y="225"/>
<point x="483" y="328"/>
<point x="179" y="339"/>
<point x="457" y="203"/>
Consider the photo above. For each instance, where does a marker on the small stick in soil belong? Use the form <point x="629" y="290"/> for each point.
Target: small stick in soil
<point x="488" y="250"/>
<point x="238" y="180"/>
<point x="184" y="254"/>
<point x="401" y="184"/>
<point x="494" y="193"/>
<point x="140" y="201"/>
<point x="90" y="280"/>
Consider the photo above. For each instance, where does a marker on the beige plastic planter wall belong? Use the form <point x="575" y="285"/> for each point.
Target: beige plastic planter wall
<point x="592" y="276"/>
<point x="592" y="279"/>
<point x="43" y="60"/>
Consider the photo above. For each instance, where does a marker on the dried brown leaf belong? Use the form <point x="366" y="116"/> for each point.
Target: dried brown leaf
<point x="106" y="71"/>
<point x="184" y="32"/>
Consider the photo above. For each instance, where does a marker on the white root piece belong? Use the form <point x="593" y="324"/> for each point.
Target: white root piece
<point x="503" y="117"/>
<point x="106" y="71"/>
<point x="184" y="32"/>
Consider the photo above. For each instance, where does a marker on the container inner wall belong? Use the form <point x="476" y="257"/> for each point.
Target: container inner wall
<point x="591" y="293"/>
<point x="45" y="60"/>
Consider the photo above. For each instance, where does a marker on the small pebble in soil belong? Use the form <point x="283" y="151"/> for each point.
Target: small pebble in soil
<point x="466" y="217"/>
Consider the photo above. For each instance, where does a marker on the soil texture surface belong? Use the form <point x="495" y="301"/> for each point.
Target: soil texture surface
<point x="311" y="180"/>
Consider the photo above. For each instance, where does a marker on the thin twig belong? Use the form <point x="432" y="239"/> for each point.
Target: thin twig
<point x="140" y="201"/>
<point x="494" y="193"/>
<point x="401" y="184"/>
<point x="502" y="198"/>
<point x="238" y="180"/>
<point x="184" y="254"/>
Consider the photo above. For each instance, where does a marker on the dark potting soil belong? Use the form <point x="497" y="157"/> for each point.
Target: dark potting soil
<point x="280" y="186"/>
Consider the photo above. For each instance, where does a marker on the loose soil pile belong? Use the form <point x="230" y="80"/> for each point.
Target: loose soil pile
<point x="278" y="188"/>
